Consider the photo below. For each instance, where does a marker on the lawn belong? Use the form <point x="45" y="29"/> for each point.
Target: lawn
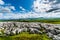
<point x="26" y="36"/>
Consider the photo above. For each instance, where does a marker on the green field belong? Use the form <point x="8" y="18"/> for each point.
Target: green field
<point x="26" y="36"/>
<point x="43" y="20"/>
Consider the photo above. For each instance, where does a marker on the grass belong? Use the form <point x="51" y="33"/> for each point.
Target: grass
<point x="49" y="20"/>
<point x="27" y="36"/>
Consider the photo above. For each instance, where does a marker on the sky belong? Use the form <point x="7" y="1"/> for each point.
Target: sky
<point x="16" y="9"/>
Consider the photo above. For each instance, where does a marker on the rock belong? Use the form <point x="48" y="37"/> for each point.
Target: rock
<point x="53" y="32"/>
<point x="56" y="37"/>
<point x="50" y="34"/>
<point x="13" y="28"/>
<point x="32" y="30"/>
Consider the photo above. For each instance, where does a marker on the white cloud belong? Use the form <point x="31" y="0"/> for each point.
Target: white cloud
<point x="12" y="7"/>
<point x="1" y="2"/>
<point x="29" y="15"/>
<point x="43" y="5"/>
<point x="22" y="8"/>
<point x="40" y="7"/>
<point x="5" y="10"/>
<point x="52" y="15"/>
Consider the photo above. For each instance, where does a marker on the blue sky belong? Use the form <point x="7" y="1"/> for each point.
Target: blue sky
<point x="16" y="9"/>
<point x="17" y="3"/>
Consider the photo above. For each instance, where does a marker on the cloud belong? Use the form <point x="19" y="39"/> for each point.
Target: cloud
<point x="19" y="15"/>
<point x="43" y="5"/>
<point x="39" y="6"/>
<point x="5" y="10"/>
<point x="29" y="15"/>
<point x="1" y="2"/>
<point x="22" y="8"/>
<point x="12" y="7"/>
